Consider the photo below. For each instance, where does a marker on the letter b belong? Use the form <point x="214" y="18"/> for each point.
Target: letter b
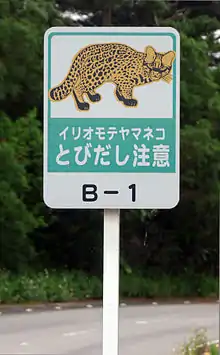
<point x="89" y="193"/>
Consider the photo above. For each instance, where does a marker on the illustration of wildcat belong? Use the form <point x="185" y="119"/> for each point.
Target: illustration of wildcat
<point x="116" y="63"/>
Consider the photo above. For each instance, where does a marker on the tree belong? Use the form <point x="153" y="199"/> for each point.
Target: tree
<point x="22" y="210"/>
<point x="22" y="26"/>
<point x="186" y="235"/>
<point x="172" y="234"/>
<point x="115" y="12"/>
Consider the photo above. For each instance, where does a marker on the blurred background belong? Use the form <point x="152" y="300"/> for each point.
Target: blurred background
<point x="56" y="254"/>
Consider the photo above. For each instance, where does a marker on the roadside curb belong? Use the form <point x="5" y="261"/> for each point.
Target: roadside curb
<point x="91" y="303"/>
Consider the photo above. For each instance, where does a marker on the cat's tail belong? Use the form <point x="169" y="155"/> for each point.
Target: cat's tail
<point x="63" y="90"/>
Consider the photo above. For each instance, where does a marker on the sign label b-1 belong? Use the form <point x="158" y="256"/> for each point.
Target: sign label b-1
<point x="90" y="192"/>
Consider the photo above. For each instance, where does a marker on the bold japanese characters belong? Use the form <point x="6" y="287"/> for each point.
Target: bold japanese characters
<point x="106" y="151"/>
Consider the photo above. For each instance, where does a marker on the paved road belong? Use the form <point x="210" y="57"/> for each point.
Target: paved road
<point x="143" y="330"/>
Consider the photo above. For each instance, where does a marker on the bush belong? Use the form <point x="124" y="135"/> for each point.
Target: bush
<point x="165" y="286"/>
<point x="198" y="344"/>
<point x="54" y="286"/>
<point x="48" y="287"/>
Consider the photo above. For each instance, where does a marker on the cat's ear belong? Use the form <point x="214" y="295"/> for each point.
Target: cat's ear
<point x="150" y="54"/>
<point x="168" y="58"/>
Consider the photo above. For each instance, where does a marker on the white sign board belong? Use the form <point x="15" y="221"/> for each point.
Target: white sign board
<point x="111" y="117"/>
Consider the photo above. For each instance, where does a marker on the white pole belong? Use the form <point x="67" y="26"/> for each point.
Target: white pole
<point x="111" y="281"/>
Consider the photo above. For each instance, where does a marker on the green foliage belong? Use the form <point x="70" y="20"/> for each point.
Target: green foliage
<point x="20" y="183"/>
<point x="54" y="286"/>
<point x="197" y="344"/>
<point x="22" y="25"/>
<point x="214" y="350"/>
<point x="48" y="287"/>
<point x="187" y="236"/>
<point x="138" y="285"/>
<point x="179" y="241"/>
<point x="14" y="244"/>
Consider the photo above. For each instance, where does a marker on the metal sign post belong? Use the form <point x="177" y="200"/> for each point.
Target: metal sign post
<point x="111" y="131"/>
<point x="111" y="281"/>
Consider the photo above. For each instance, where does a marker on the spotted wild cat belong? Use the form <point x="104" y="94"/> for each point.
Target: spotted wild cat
<point x="116" y="63"/>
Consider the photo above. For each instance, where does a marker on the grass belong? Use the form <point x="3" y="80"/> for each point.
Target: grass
<point x="54" y="286"/>
<point x="198" y="344"/>
<point x="214" y="349"/>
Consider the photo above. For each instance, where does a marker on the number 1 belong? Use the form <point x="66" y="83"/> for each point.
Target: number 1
<point x="132" y="187"/>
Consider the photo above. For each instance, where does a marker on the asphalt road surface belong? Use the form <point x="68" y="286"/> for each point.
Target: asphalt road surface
<point x="144" y="330"/>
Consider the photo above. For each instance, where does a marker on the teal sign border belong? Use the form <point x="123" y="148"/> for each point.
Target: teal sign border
<point x="149" y="120"/>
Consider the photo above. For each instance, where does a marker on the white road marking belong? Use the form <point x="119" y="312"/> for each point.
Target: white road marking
<point x="23" y="343"/>
<point x="28" y="309"/>
<point x="70" y="334"/>
<point x="79" y="332"/>
<point x="141" y="322"/>
<point x="158" y="320"/>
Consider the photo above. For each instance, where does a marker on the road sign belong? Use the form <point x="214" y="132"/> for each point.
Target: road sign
<point x="111" y="117"/>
